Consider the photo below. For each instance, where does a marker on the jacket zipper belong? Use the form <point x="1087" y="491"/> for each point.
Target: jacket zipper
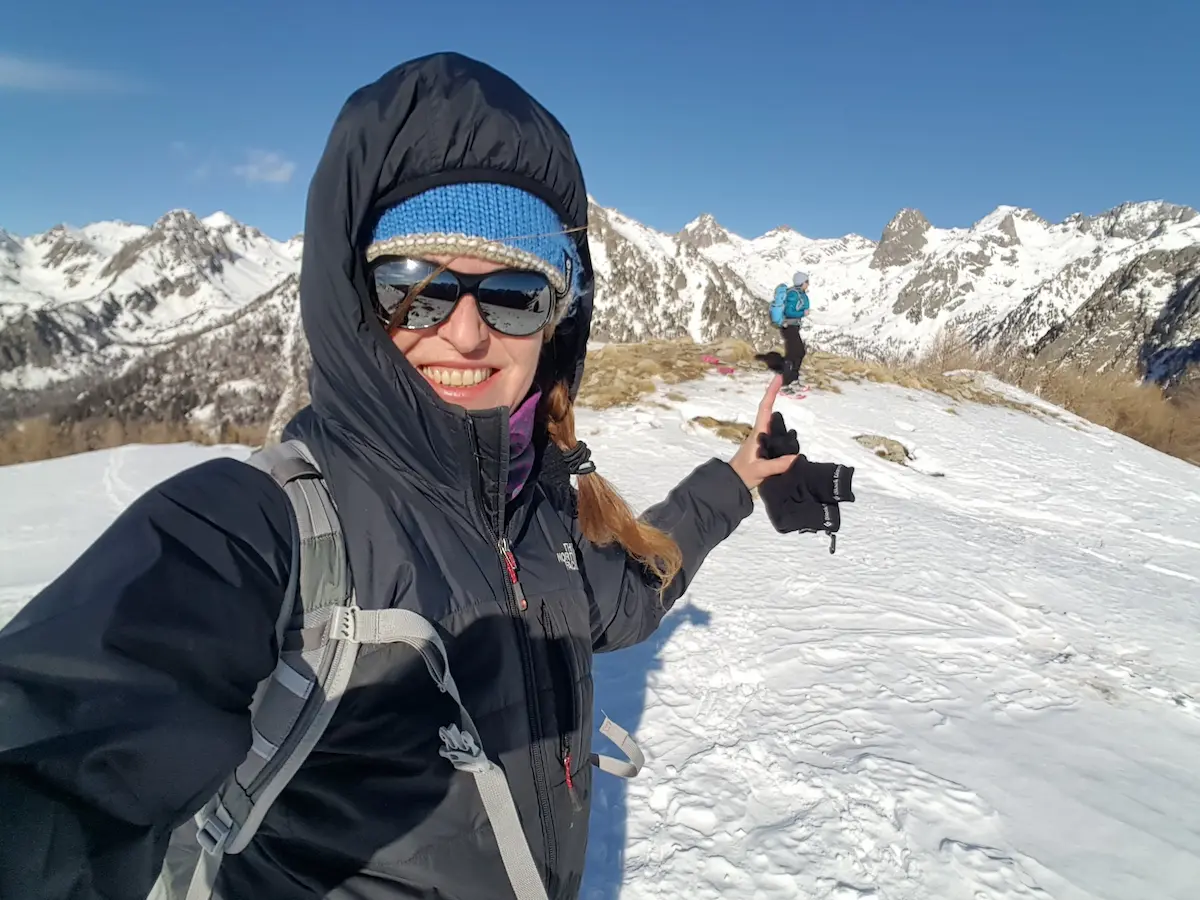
<point x="518" y="604"/>
<point x="566" y="750"/>
<point x="510" y="566"/>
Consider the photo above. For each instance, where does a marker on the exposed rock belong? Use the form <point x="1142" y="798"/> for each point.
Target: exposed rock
<point x="903" y="240"/>
<point x="885" y="447"/>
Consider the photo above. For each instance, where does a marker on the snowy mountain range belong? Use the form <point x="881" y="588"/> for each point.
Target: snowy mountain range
<point x="200" y="314"/>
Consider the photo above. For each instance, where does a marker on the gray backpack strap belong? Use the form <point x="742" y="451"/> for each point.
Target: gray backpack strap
<point x="627" y="745"/>
<point x="320" y="629"/>
<point x="293" y="707"/>
<point x="463" y="746"/>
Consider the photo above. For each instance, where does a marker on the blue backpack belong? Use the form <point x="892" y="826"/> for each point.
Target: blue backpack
<point x="789" y="303"/>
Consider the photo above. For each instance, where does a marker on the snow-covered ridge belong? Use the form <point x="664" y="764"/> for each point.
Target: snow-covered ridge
<point x="74" y="299"/>
<point x="1110" y="289"/>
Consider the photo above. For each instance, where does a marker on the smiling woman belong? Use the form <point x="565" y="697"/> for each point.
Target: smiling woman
<point x="446" y="295"/>
<point x="471" y="327"/>
<point x="468" y="280"/>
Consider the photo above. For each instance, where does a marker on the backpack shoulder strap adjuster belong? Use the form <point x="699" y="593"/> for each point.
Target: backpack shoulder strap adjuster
<point x="213" y="827"/>
<point x="343" y="624"/>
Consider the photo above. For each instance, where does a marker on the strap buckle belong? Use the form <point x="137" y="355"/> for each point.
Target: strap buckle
<point x="343" y="625"/>
<point x="213" y="827"/>
<point x="462" y="750"/>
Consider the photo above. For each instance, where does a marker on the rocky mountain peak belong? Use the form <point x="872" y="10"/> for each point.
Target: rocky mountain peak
<point x="178" y="239"/>
<point x="227" y="225"/>
<point x="704" y="231"/>
<point x="64" y="246"/>
<point x="903" y="240"/>
<point x="1133" y="221"/>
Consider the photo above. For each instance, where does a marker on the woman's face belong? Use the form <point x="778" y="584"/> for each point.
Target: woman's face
<point x="468" y="363"/>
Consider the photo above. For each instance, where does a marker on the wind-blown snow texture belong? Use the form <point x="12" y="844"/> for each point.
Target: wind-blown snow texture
<point x="81" y="306"/>
<point x="990" y="691"/>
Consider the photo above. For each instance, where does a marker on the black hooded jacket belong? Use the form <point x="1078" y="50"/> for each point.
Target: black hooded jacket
<point x="125" y="684"/>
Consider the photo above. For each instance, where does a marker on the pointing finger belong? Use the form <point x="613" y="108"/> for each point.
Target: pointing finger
<point x="763" y="420"/>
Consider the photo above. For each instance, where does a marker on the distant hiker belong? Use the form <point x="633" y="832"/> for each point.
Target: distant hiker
<point x="788" y="309"/>
<point x="363" y="662"/>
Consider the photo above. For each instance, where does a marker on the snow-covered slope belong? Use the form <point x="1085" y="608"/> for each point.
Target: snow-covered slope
<point x="1119" y="289"/>
<point x="650" y="284"/>
<point x="991" y="690"/>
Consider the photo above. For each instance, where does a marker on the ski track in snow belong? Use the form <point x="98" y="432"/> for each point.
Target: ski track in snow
<point x="116" y="489"/>
<point x="990" y="691"/>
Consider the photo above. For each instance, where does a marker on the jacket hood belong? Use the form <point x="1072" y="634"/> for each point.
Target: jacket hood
<point x="433" y="121"/>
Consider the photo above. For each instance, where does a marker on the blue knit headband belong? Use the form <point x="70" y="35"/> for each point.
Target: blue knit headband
<point x="496" y="222"/>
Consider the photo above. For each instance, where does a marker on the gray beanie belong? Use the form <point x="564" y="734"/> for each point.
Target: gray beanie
<point x="799" y="278"/>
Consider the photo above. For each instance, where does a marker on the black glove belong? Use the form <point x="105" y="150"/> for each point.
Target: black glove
<point x="829" y="482"/>
<point x="776" y="362"/>
<point x="778" y="440"/>
<point x="804" y="498"/>
<point x="791" y="507"/>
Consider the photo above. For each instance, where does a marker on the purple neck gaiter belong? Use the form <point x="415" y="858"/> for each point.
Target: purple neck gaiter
<point x="520" y="443"/>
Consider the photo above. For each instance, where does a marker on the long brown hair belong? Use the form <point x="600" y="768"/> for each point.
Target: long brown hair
<point x="604" y="517"/>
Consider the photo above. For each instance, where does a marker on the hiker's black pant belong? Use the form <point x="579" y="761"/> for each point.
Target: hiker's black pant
<point x="793" y="345"/>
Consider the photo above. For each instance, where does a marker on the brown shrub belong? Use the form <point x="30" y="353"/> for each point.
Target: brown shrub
<point x="621" y="374"/>
<point x="30" y="440"/>
<point x="1115" y="399"/>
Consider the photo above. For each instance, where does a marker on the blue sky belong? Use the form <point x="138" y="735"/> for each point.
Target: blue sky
<point x="826" y="116"/>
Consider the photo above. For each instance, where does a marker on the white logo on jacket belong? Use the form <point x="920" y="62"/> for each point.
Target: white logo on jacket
<point x="567" y="557"/>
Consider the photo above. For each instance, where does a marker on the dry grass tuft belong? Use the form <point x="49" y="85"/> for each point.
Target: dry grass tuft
<point x="1116" y="399"/>
<point x="823" y="370"/>
<point x="723" y="428"/>
<point x="621" y="374"/>
<point x="30" y="440"/>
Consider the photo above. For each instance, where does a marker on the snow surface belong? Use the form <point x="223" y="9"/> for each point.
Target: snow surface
<point x="990" y="691"/>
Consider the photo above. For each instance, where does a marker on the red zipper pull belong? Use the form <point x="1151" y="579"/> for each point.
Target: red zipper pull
<point x="578" y="806"/>
<point x="510" y="565"/>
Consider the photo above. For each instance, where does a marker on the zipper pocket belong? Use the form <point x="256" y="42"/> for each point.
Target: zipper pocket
<point x="559" y="638"/>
